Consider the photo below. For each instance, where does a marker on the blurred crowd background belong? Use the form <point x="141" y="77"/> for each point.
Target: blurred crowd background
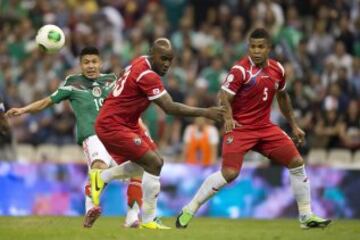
<point x="318" y="42"/>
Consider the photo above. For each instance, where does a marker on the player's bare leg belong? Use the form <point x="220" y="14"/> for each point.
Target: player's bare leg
<point x="209" y="188"/>
<point x="301" y="188"/>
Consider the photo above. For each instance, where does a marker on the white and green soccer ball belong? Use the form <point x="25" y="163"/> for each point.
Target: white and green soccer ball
<point x="50" y="38"/>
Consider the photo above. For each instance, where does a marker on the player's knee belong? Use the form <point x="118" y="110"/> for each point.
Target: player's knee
<point x="230" y="174"/>
<point x="155" y="166"/>
<point x="296" y="162"/>
<point x="98" y="164"/>
<point x="158" y="164"/>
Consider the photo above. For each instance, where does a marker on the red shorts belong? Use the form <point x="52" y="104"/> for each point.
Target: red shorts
<point x="270" y="141"/>
<point x="126" y="144"/>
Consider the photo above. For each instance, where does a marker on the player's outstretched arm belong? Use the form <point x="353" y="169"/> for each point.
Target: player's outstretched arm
<point x="287" y="110"/>
<point x="31" y="108"/>
<point x="166" y="103"/>
<point x="225" y="101"/>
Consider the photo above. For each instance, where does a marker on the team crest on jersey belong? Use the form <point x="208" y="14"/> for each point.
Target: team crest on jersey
<point x="137" y="141"/>
<point x="96" y="92"/>
<point x="229" y="139"/>
<point x="156" y="91"/>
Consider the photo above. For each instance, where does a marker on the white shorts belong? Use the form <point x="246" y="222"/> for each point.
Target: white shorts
<point x="95" y="150"/>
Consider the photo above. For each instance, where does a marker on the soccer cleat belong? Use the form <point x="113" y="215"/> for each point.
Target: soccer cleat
<point x="156" y="224"/>
<point x="132" y="217"/>
<point x="314" y="222"/>
<point x="183" y="219"/>
<point x="135" y="224"/>
<point x="97" y="185"/>
<point x="91" y="216"/>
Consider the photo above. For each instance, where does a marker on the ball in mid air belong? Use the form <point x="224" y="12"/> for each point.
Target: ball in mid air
<point x="50" y="38"/>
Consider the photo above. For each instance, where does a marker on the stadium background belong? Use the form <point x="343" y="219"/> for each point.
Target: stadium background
<point x="318" y="42"/>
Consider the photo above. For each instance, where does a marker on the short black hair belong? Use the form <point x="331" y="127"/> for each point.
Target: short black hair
<point x="90" y="50"/>
<point x="260" y="33"/>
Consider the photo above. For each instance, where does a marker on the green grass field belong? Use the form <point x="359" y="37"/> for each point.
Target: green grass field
<point x="70" y="228"/>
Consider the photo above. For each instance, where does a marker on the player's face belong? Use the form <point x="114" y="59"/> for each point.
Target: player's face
<point x="162" y="60"/>
<point x="259" y="50"/>
<point x="90" y="66"/>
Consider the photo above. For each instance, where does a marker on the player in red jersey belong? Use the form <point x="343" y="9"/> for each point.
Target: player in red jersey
<point x="247" y="95"/>
<point x="117" y="126"/>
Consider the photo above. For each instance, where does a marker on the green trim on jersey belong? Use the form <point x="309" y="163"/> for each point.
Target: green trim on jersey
<point x="86" y="97"/>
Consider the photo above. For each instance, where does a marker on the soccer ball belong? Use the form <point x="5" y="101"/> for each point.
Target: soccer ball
<point x="50" y="38"/>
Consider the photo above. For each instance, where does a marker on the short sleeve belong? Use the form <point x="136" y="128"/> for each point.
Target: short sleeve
<point x="282" y="80"/>
<point x="150" y="83"/>
<point x="234" y="79"/>
<point x="63" y="92"/>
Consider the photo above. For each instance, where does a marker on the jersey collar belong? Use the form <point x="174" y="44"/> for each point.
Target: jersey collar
<point x="147" y="61"/>
<point x="253" y="64"/>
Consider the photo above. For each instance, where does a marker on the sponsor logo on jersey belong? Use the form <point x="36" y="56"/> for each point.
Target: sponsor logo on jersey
<point x="108" y="82"/>
<point x="137" y="141"/>
<point x="96" y="92"/>
<point x="229" y="139"/>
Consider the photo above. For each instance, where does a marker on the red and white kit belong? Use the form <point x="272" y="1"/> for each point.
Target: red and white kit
<point x="254" y="89"/>
<point x="117" y="124"/>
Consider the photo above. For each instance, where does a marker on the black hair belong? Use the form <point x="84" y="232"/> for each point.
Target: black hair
<point x="89" y="51"/>
<point x="260" y="33"/>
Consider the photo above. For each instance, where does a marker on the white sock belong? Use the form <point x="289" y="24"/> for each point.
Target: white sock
<point x="88" y="203"/>
<point x="301" y="187"/>
<point x="210" y="186"/>
<point x="132" y="214"/>
<point x="126" y="170"/>
<point x="151" y="190"/>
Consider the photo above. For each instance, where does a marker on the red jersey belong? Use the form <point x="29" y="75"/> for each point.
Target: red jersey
<point x="132" y="94"/>
<point x="254" y="89"/>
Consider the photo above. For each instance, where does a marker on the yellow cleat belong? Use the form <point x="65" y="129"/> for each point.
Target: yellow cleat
<point x="154" y="225"/>
<point x="97" y="185"/>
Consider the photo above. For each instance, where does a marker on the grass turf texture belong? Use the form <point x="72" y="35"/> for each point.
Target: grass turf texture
<point x="70" y="228"/>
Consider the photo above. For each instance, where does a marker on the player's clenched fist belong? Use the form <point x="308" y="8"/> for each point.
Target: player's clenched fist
<point x="13" y="112"/>
<point x="298" y="136"/>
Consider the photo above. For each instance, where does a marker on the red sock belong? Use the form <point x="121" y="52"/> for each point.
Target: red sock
<point x="134" y="192"/>
<point x="88" y="190"/>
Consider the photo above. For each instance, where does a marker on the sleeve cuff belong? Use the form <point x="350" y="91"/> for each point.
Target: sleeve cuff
<point x="283" y="88"/>
<point x="228" y="90"/>
<point x="157" y="96"/>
